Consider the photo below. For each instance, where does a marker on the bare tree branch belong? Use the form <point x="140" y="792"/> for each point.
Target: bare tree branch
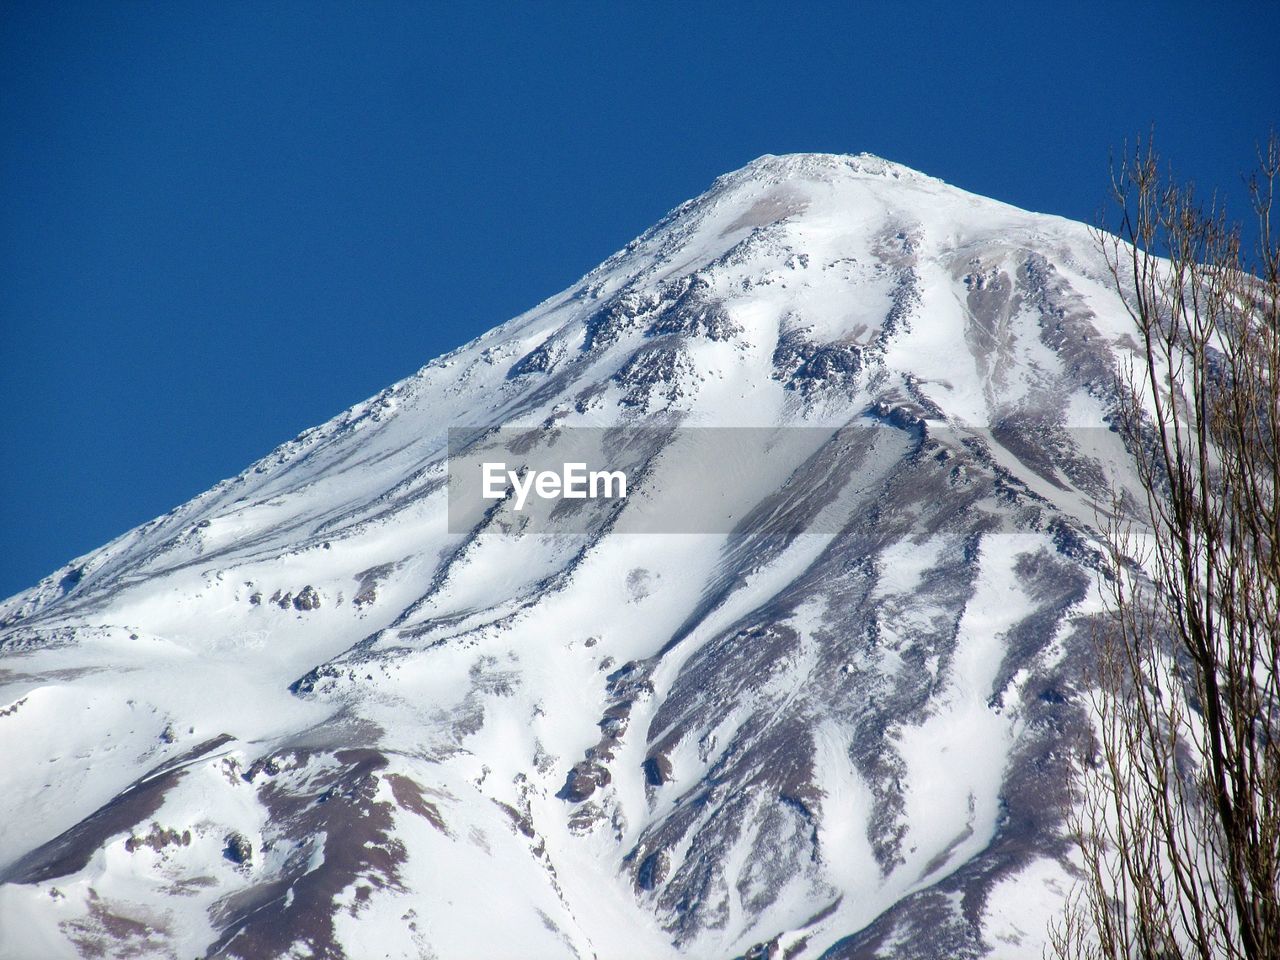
<point x="1178" y="813"/>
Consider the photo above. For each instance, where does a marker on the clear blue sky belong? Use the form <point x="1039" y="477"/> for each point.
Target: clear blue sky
<point x="223" y="223"/>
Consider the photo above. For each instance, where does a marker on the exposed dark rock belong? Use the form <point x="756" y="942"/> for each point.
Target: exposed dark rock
<point x="158" y="839"/>
<point x="657" y="770"/>
<point x="803" y="365"/>
<point x="623" y="312"/>
<point x="368" y="580"/>
<point x="307" y="599"/>
<point x="655" y="371"/>
<point x="238" y="849"/>
<point x="270" y="765"/>
<point x="690" y="309"/>
<point x="71" y="579"/>
<point x="653" y="870"/>
<point x="583" y="780"/>
<point x="539" y="360"/>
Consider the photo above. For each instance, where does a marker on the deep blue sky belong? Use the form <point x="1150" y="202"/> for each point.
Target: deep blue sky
<point x="223" y="223"/>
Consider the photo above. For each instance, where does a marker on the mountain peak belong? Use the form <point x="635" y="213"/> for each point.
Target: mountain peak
<point x="776" y="168"/>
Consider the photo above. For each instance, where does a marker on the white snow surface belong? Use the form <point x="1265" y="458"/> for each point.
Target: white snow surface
<point x="451" y="682"/>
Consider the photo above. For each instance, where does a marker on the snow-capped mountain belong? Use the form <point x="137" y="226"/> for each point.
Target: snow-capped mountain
<point x="305" y="715"/>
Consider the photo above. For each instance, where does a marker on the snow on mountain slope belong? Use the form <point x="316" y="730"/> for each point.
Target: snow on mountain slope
<point x="298" y="716"/>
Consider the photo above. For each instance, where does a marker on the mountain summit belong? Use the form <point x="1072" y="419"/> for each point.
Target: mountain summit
<point x="314" y="713"/>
